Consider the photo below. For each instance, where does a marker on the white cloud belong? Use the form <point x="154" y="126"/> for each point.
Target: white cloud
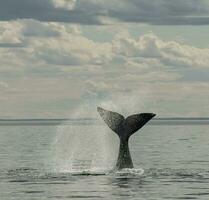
<point x="3" y="85"/>
<point x="61" y="44"/>
<point x="169" y="53"/>
<point x="67" y="51"/>
<point x="66" y="4"/>
<point x="10" y="32"/>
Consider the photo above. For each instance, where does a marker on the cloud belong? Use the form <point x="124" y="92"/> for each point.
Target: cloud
<point x="3" y="85"/>
<point x="33" y="28"/>
<point x="66" y="4"/>
<point x="171" y="53"/>
<point x="55" y="45"/>
<point x="163" y="12"/>
<point x="10" y="33"/>
<point x="57" y="63"/>
<point x="158" y="12"/>
<point x="43" y="10"/>
<point x="65" y="50"/>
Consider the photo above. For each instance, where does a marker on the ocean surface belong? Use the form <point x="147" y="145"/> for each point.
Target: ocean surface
<point x="44" y="160"/>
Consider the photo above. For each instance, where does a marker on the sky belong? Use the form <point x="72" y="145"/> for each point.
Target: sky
<point x="63" y="58"/>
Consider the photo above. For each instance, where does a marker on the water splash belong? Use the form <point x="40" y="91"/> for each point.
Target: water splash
<point x="79" y="148"/>
<point x="84" y="148"/>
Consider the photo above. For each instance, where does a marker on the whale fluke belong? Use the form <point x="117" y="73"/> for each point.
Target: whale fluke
<point x="124" y="128"/>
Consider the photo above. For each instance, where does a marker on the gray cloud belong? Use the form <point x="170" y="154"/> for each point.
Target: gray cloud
<point x="11" y="45"/>
<point x="158" y="12"/>
<point x="43" y="10"/>
<point x="33" y="28"/>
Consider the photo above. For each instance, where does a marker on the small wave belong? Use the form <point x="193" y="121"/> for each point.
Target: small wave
<point x="92" y="171"/>
<point x="29" y="174"/>
<point x="88" y="173"/>
<point x="82" y="171"/>
<point x="100" y="171"/>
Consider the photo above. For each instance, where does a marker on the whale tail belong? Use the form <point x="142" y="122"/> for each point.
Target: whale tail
<point x="124" y="127"/>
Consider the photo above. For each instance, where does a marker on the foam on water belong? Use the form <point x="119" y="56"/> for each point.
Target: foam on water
<point x="128" y="171"/>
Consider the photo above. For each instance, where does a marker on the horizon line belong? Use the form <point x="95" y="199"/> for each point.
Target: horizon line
<point x="86" y="119"/>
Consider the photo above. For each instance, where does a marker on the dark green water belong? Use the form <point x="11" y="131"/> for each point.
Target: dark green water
<point x="33" y="165"/>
